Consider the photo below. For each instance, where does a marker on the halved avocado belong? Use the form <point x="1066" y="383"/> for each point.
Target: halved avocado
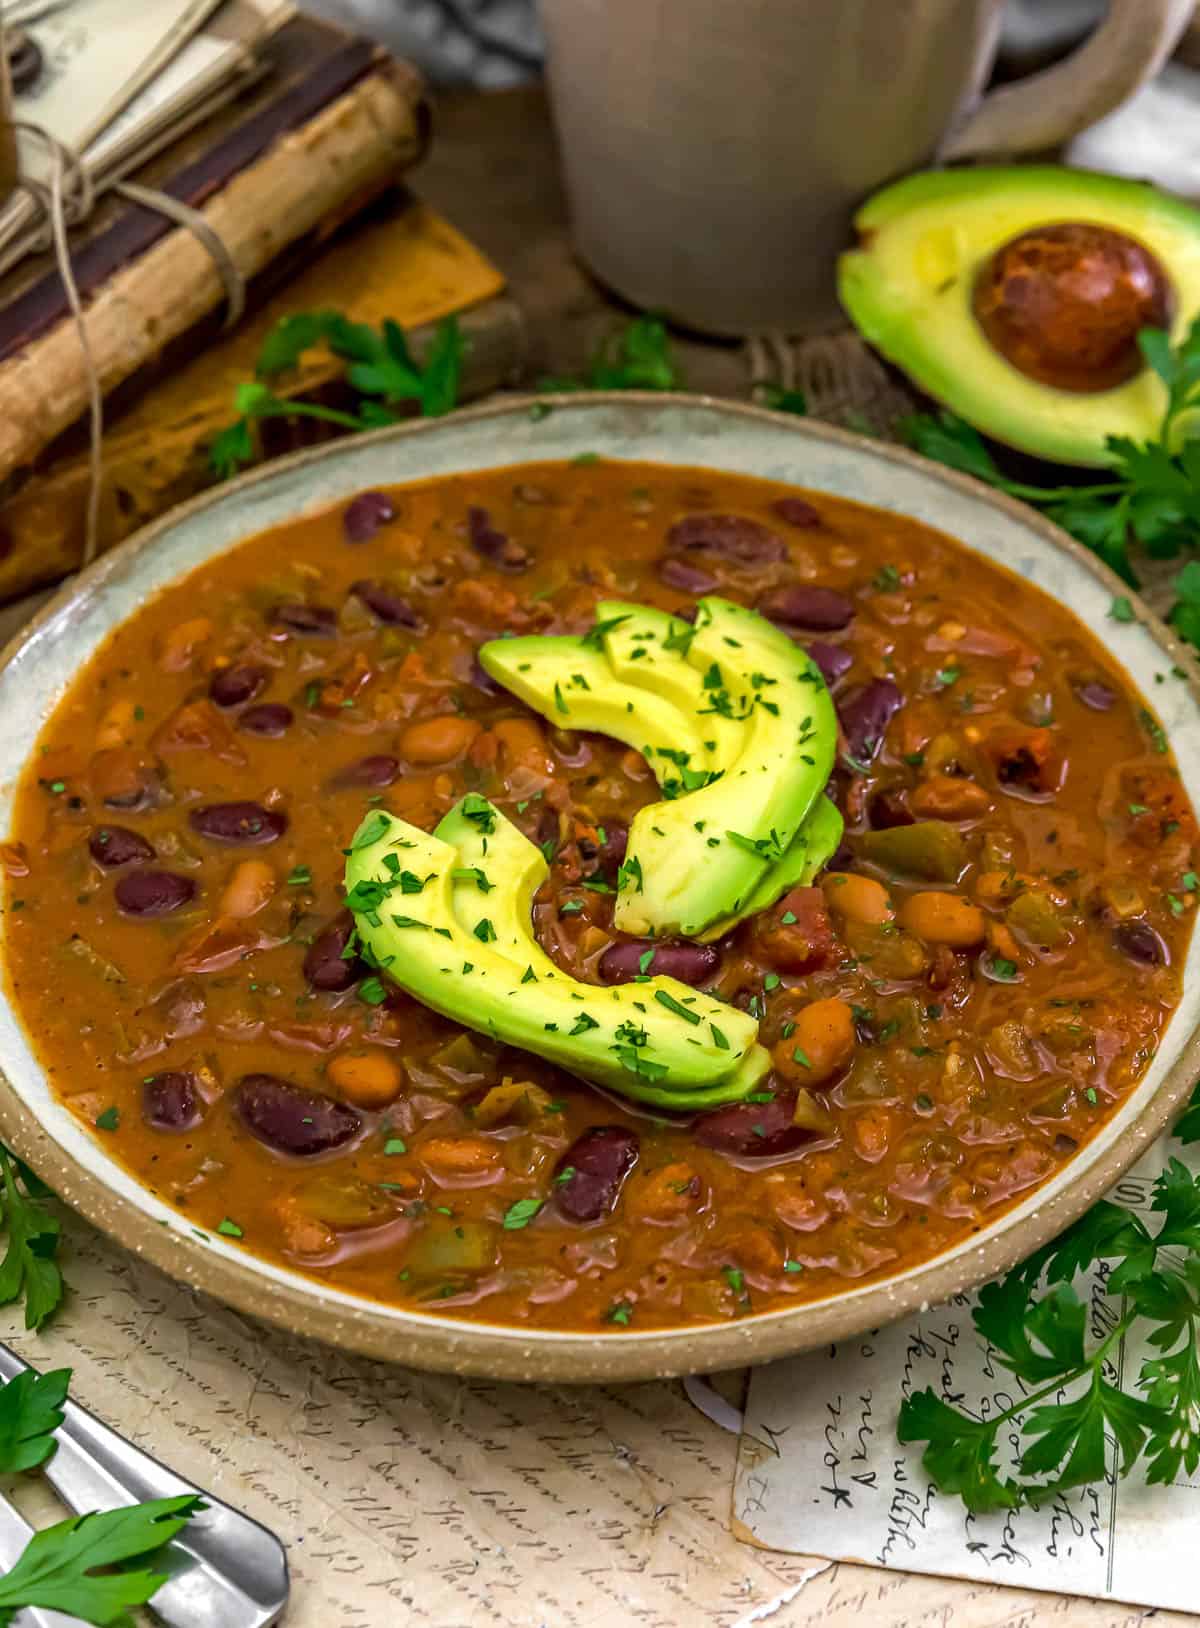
<point x="449" y="921"/>
<point x="928" y="246"/>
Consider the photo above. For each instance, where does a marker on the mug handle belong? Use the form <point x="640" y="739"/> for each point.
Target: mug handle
<point x="1040" y="112"/>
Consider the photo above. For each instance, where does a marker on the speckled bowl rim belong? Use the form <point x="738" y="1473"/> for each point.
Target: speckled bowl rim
<point x="307" y="1307"/>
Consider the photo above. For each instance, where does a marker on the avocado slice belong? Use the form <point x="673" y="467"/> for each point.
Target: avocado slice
<point x="909" y="285"/>
<point x="570" y="682"/>
<point x="451" y="925"/>
<point x="701" y="858"/>
<point x="809" y="852"/>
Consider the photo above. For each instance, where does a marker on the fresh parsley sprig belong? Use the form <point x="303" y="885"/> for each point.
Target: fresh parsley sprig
<point x="1037" y="1326"/>
<point x="379" y="367"/>
<point x="28" y="1267"/>
<point x="637" y="357"/>
<point x="57" y="1568"/>
<point x="1153" y="490"/>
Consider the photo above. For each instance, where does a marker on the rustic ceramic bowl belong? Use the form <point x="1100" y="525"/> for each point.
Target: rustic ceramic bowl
<point x="670" y="429"/>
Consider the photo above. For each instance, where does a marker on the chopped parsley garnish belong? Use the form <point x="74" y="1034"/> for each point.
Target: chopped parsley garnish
<point x="108" y="1120"/>
<point x="621" y="1313"/>
<point x="484" y="931"/>
<point x="582" y="1024"/>
<point x="371" y="991"/>
<point x="372" y="828"/>
<point x="664" y="998"/>
<point x="394" y="1145"/>
<point x="230" y="1228"/>
<point x="299" y="876"/>
<point x="472" y="873"/>
<point x="521" y="1213"/>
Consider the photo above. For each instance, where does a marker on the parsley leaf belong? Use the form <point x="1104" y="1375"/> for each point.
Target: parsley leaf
<point x="28" y="1267"/>
<point x="56" y="1570"/>
<point x="30" y="1413"/>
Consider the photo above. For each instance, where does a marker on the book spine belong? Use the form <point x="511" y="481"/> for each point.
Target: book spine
<point x="350" y="148"/>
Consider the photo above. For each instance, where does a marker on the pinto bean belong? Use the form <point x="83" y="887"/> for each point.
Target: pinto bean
<point x="369" y="1079"/>
<point x="690" y="963"/>
<point x="943" y="918"/>
<point x="495" y="546"/>
<point x="588" y="1177"/>
<point x="795" y="511"/>
<point x="752" y="1130"/>
<point x="688" y="578"/>
<point x="833" y="660"/>
<point x="170" y="1101"/>
<point x="820" y="1045"/>
<point x="311" y="621"/>
<point x="290" y="1119"/>
<point x="726" y="536"/>
<point x="326" y="965"/>
<point x="270" y="719"/>
<point x="438" y="740"/>
<point x="247" y="824"/>
<point x="856" y="898"/>
<point x="376" y="770"/>
<point x="116" y="845"/>
<point x="1139" y="941"/>
<point x="865" y="714"/>
<point x="122" y="778"/>
<point x="231" y="686"/>
<point x="386" y="604"/>
<point x="153" y="893"/>
<point x="251" y="886"/>
<point x="365" y="515"/>
<point x="803" y="605"/>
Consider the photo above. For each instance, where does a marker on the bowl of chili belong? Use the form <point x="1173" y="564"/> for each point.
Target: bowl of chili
<point x="972" y="1016"/>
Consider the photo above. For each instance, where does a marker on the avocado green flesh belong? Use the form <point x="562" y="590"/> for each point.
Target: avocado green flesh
<point x="648" y="648"/>
<point x="545" y="672"/>
<point x="427" y="941"/>
<point x="811" y="850"/>
<point x="697" y="854"/>
<point x="731" y="697"/>
<point x="908" y="289"/>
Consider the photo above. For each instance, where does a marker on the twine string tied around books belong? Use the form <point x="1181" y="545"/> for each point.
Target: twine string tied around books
<point x="69" y="199"/>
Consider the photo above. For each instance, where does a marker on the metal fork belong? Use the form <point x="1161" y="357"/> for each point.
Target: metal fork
<point x="224" y="1570"/>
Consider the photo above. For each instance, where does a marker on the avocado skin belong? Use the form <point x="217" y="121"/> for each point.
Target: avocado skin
<point x="908" y="289"/>
<point x="426" y="938"/>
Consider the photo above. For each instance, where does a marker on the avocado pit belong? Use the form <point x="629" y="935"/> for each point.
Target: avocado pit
<point x="1063" y="304"/>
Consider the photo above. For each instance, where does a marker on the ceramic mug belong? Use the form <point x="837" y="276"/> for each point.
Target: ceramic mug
<point x="714" y="150"/>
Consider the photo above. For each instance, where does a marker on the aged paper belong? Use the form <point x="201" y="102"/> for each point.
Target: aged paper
<point x="408" y="1498"/>
<point x="820" y="1468"/>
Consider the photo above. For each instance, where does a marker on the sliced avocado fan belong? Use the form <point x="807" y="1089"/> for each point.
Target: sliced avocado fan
<point x="446" y="916"/>
<point x="737" y="725"/>
<point x="924" y="243"/>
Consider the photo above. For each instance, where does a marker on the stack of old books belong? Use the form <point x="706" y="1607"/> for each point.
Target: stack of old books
<point x="293" y="141"/>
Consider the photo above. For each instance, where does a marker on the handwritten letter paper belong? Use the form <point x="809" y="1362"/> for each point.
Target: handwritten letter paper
<point x="820" y="1470"/>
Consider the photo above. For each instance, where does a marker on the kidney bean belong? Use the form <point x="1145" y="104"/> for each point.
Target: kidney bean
<point x="728" y="536"/>
<point x="888" y="809"/>
<point x="114" y="845"/>
<point x="497" y="547"/>
<point x="690" y="963"/>
<point x="612" y="849"/>
<point x="376" y="770"/>
<point x="153" y="893"/>
<point x="269" y="719"/>
<point x="752" y="1130"/>
<point x="482" y="680"/>
<point x="598" y="1162"/>
<point x="833" y="660"/>
<point x="386" y="604"/>
<point x="865" y="714"/>
<point x="246" y="824"/>
<point x="170" y="1101"/>
<point x="688" y="578"/>
<point x="325" y="963"/>
<point x="796" y="512"/>
<point x="297" y="616"/>
<point x="1094" y="694"/>
<point x="1139" y="941"/>
<point x="801" y="604"/>
<point x="292" y="1120"/>
<point x="364" y="515"/>
<point x="230" y="686"/>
